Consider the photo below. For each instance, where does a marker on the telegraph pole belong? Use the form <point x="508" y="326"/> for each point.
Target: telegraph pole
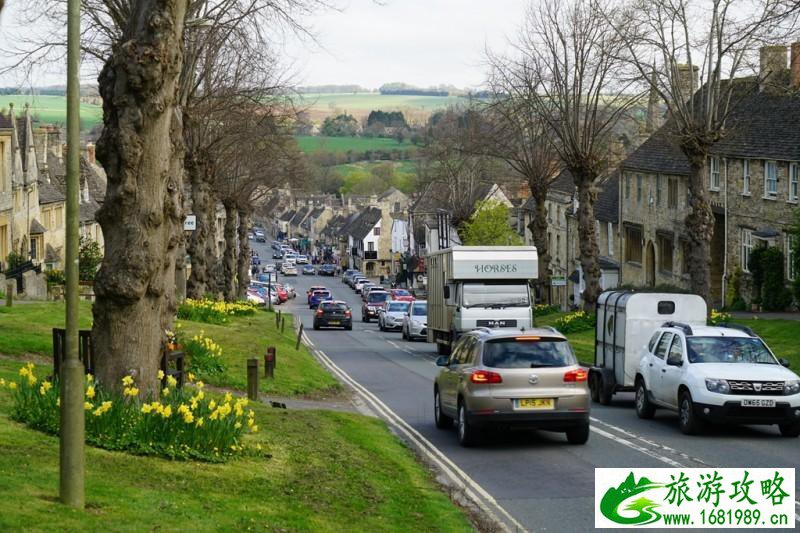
<point x="72" y="371"/>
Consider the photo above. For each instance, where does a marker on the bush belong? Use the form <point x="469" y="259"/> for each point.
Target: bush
<point x="766" y="266"/>
<point x="718" y="317"/>
<point x="733" y="299"/>
<point x="205" y="355"/>
<point x="89" y="258"/>
<point x="213" y="312"/>
<point x="180" y="426"/>
<point x="14" y="260"/>
<point x="544" y="309"/>
<point x="575" y="322"/>
<point x="55" y="277"/>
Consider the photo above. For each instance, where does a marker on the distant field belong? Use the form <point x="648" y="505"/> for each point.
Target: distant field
<point x="52" y="109"/>
<point x="343" y="144"/>
<point x="357" y="177"/>
<point x="416" y="108"/>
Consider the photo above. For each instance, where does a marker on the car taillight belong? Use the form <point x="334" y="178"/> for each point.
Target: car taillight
<point x="576" y="375"/>
<point x="347" y="314"/>
<point x="319" y="312"/>
<point x="485" y="376"/>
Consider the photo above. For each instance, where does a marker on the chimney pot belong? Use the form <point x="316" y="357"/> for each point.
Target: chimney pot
<point x="795" y="65"/>
<point x="772" y="62"/>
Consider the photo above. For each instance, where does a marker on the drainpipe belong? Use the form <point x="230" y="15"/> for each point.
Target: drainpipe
<point x="725" y="246"/>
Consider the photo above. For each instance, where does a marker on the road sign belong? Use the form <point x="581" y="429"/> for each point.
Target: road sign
<point x="558" y="281"/>
<point x="190" y="224"/>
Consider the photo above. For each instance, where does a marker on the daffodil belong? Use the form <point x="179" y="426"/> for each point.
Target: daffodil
<point x="46" y="386"/>
<point x="127" y="381"/>
<point x="165" y="391"/>
<point x="254" y="429"/>
<point x="171" y="381"/>
<point x="188" y="417"/>
<point x="212" y="405"/>
<point x="199" y="385"/>
<point x="228" y="397"/>
<point x="237" y="425"/>
<point x="87" y="406"/>
<point x="2" y="382"/>
<point x="89" y="378"/>
<point x="190" y="377"/>
<point x="130" y="391"/>
<point x="90" y="392"/>
<point x="199" y="422"/>
<point x="166" y="412"/>
<point x="146" y="408"/>
<point x="160" y="374"/>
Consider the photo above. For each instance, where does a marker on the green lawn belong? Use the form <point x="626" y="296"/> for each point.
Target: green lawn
<point x="309" y="144"/>
<point x="375" y="101"/>
<point x="52" y="109"/>
<point x="317" y="471"/>
<point x="26" y="328"/>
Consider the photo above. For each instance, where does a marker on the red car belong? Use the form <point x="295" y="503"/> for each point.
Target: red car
<point x="402" y="295"/>
<point x="282" y="294"/>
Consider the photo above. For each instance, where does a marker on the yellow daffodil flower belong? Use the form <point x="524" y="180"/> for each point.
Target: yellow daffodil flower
<point x="90" y="392"/>
<point x="127" y="381"/>
<point x="160" y="374"/>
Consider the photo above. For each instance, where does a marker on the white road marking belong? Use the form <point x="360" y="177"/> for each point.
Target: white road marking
<point x="642" y="449"/>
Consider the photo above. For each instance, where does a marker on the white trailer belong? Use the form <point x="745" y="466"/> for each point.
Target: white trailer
<point x="625" y="323"/>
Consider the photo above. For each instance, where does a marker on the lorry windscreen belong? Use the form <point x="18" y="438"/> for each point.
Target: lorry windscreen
<point x="486" y="294"/>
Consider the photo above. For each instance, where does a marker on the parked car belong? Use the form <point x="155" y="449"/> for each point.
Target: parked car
<point x="290" y="292"/>
<point x="268" y="268"/>
<point x="370" y="307"/>
<point x="283" y="295"/>
<point x="333" y="314"/>
<point x="290" y="257"/>
<point x="530" y="379"/>
<point x="366" y="290"/>
<point x="250" y="236"/>
<point x="415" y="321"/>
<point x="347" y="274"/>
<point x="319" y="296"/>
<point x="288" y="269"/>
<point x="358" y="284"/>
<point x="255" y="297"/>
<point x="277" y="254"/>
<point x="390" y="316"/>
<point x="302" y="259"/>
<point x="326" y="270"/>
<point x="308" y="270"/>
<point x="402" y="295"/>
<point x="717" y="375"/>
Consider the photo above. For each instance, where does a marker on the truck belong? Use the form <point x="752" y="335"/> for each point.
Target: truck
<point x="625" y="323"/>
<point x="478" y="286"/>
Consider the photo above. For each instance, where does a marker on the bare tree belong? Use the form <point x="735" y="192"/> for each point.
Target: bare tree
<point x="568" y="64"/>
<point x="689" y="53"/>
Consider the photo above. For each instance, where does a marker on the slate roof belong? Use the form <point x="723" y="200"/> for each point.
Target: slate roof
<point x="271" y="206"/>
<point x="37" y="228"/>
<point x="349" y="221"/>
<point x="287" y="216"/>
<point x="333" y="225"/>
<point x="299" y="216"/>
<point x="361" y="227"/>
<point x="388" y="192"/>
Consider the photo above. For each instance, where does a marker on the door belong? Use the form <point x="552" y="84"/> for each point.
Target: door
<point x="672" y="371"/>
<point x="449" y="378"/>
<point x="650" y="265"/>
<point x="656" y="366"/>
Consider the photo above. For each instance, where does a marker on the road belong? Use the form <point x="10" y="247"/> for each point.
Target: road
<point x="543" y="482"/>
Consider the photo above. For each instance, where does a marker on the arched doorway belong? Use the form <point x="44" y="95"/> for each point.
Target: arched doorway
<point x="650" y="265"/>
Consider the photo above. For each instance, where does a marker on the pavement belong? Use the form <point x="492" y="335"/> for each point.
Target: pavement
<point x="544" y="483"/>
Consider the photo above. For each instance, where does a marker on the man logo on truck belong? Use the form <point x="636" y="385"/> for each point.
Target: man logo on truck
<point x="506" y="268"/>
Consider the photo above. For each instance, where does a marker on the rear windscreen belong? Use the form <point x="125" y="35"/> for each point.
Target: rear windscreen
<point x="377" y="297"/>
<point x="398" y="307"/>
<point x="513" y="353"/>
<point x="420" y="309"/>
<point x="333" y="307"/>
<point x="322" y="293"/>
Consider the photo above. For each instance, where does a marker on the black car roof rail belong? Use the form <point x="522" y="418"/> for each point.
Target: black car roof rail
<point x="687" y="329"/>
<point x="739" y="327"/>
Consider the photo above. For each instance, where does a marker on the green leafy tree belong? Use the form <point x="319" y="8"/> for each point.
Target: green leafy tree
<point x="89" y="258"/>
<point x="488" y="226"/>
<point x="343" y="125"/>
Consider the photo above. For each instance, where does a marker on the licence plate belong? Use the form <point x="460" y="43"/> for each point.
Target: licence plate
<point x="534" y="403"/>
<point x="333" y="322"/>
<point x="758" y="403"/>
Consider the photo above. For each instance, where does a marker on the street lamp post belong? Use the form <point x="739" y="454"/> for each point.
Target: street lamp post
<point x="72" y="371"/>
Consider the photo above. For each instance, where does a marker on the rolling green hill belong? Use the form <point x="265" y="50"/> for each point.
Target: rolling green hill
<point x="52" y="109"/>
<point x="311" y="144"/>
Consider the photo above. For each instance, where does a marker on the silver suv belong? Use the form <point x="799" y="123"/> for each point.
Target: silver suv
<point x="529" y="379"/>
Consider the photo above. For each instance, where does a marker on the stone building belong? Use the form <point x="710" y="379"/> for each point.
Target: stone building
<point x="752" y="177"/>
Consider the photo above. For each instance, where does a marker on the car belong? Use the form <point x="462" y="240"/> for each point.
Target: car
<point x="367" y="289"/>
<point x="277" y="254"/>
<point x="333" y="314"/>
<point x="402" y="295"/>
<point x="358" y="284"/>
<point x="349" y="279"/>
<point x="390" y="316"/>
<point x="327" y="270"/>
<point x="302" y="259"/>
<point x="319" y="296"/>
<point x="415" y="321"/>
<point x="374" y="301"/>
<point x="255" y="297"/>
<point x="255" y="260"/>
<point x="716" y="374"/>
<point x="315" y="288"/>
<point x="308" y="270"/>
<point x="529" y="379"/>
<point x="260" y="238"/>
<point x="290" y="292"/>
<point x="347" y="274"/>
<point x="290" y="257"/>
<point x="250" y="236"/>
<point x="268" y="268"/>
<point x="288" y="269"/>
<point x="282" y="293"/>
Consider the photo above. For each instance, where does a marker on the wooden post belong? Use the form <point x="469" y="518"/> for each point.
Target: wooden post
<point x="252" y="379"/>
<point x="299" y="336"/>
<point x="9" y="293"/>
<point x="278" y="319"/>
<point x="283" y="323"/>
<point x="269" y="362"/>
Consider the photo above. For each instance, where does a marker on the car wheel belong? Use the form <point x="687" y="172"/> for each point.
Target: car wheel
<point x="604" y="393"/>
<point x="467" y="434"/>
<point x="687" y="420"/>
<point x="316" y="326"/>
<point x="365" y="318"/>
<point x="578" y="434"/>
<point x="790" y="430"/>
<point x="442" y="420"/>
<point x="594" y="388"/>
<point x="349" y="328"/>
<point x="442" y="349"/>
<point x="644" y="407"/>
<point x="404" y="334"/>
<point x="380" y="326"/>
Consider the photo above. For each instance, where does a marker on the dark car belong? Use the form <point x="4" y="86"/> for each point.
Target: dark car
<point x="327" y="270"/>
<point x="333" y="314"/>
<point x="277" y="254"/>
<point x="308" y="270"/>
<point x="373" y="304"/>
<point x="317" y="297"/>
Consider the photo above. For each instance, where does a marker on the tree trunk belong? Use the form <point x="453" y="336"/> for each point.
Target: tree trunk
<point x="587" y="238"/>
<point x="229" y="257"/>
<point x="699" y="224"/>
<point x="141" y="215"/>
<point x="198" y="245"/>
<point x="538" y="228"/>
<point x="243" y="265"/>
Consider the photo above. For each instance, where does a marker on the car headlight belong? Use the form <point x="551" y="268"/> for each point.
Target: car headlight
<point x="720" y="386"/>
<point x="791" y="387"/>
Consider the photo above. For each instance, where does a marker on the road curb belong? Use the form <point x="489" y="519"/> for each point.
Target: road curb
<point x="488" y="515"/>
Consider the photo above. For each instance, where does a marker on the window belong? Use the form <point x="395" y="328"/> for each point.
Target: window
<point x="664" y="253"/>
<point x="794" y="177"/>
<point x="653" y="340"/>
<point x="658" y="190"/>
<point x="376" y="230"/>
<point x="746" y="177"/>
<point x="714" y="172"/>
<point x="34" y="248"/>
<point x="666" y="307"/>
<point x="675" y="356"/>
<point x="747" y="247"/>
<point x="672" y="193"/>
<point x="661" y="350"/>
<point x="791" y="254"/>
<point x="639" y="187"/>
<point x="633" y="244"/>
<point x="59" y="212"/>
<point x="610" y="237"/>
<point x="544" y="353"/>
<point x="370" y="246"/>
<point x="770" y="179"/>
<point x="627" y="186"/>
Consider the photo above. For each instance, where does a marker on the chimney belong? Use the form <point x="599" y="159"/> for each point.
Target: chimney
<point x="688" y="80"/>
<point x="795" y="65"/>
<point x="90" y="153"/>
<point x="772" y="62"/>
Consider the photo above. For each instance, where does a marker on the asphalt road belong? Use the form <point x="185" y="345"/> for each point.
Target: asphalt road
<point x="543" y="482"/>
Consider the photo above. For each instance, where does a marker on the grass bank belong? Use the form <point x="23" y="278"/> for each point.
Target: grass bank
<point x="317" y="471"/>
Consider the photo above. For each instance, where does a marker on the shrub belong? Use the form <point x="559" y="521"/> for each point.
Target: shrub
<point x="718" y="317"/>
<point x="544" y="309"/>
<point x="182" y="425"/>
<point x="55" y="277"/>
<point x="14" y="260"/>
<point x="733" y="299"/>
<point x="757" y="271"/>
<point x="205" y="355"/>
<point x="775" y="295"/>
<point x="575" y="322"/>
<point x="213" y="312"/>
<point x="89" y="258"/>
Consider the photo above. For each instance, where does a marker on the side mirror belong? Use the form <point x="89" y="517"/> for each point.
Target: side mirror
<point x="446" y="292"/>
<point x="784" y="362"/>
<point x="442" y="361"/>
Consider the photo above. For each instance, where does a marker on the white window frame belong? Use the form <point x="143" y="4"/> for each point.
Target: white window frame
<point x="746" y="178"/>
<point x="610" y="237"/>
<point x="773" y="192"/>
<point x="746" y="247"/>
<point x="791" y="273"/>
<point x="713" y="173"/>
<point x="794" y="178"/>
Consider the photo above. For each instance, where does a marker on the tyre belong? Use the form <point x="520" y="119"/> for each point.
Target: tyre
<point x="349" y="328"/>
<point x="467" y="434"/>
<point x="687" y="420"/>
<point x="380" y="326"/>
<point x="645" y="409"/>
<point x="594" y="388"/>
<point x="604" y="393"/>
<point x="442" y="420"/>
<point x="316" y="326"/>
<point x="790" y="430"/>
<point x="578" y="434"/>
<point x="442" y="349"/>
<point x="366" y="318"/>
<point x="405" y="336"/>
